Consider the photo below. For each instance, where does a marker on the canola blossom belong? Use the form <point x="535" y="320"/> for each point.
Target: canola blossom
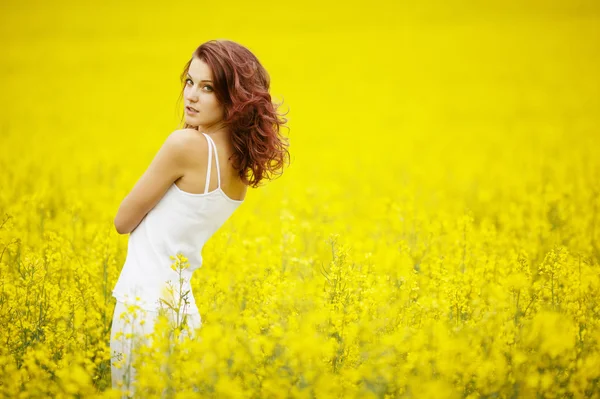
<point x="436" y="235"/>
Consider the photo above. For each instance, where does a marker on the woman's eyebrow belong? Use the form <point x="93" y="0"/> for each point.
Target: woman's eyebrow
<point x="190" y="76"/>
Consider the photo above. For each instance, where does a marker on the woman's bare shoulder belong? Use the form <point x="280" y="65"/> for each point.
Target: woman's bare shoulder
<point x="194" y="145"/>
<point x="188" y="133"/>
<point x="190" y="136"/>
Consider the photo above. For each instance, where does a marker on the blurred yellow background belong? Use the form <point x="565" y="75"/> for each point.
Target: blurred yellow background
<point x="445" y="167"/>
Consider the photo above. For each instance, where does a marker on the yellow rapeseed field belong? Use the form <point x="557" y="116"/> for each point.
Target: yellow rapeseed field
<point x="436" y="234"/>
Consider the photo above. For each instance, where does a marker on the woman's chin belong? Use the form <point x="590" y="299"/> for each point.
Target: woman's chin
<point x="191" y="120"/>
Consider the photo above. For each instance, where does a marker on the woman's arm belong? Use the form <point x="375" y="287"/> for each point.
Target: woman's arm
<point x="167" y="166"/>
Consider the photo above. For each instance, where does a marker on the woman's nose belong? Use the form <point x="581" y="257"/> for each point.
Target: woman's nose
<point x="192" y="95"/>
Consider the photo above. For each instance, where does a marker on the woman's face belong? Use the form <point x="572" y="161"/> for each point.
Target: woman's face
<point x="199" y="94"/>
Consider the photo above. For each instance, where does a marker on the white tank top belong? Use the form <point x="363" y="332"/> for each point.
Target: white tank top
<point x="180" y="223"/>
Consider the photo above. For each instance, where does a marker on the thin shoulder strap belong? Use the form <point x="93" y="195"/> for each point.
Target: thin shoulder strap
<point x="209" y="163"/>
<point x="214" y="146"/>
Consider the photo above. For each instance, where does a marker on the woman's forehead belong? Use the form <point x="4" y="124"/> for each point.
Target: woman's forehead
<point x="199" y="70"/>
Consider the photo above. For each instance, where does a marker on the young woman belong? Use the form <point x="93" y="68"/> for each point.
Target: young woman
<point x="230" y="140"/>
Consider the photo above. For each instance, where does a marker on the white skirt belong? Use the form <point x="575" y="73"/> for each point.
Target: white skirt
<point x="127" y="331"/>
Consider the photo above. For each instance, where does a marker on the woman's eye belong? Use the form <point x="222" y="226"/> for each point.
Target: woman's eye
<point x="207" y="86"/>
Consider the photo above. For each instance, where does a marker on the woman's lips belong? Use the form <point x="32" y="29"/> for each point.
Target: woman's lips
<point x="190" y="110"/>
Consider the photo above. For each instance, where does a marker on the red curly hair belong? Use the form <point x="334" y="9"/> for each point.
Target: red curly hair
<point x="241" y="84"/>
